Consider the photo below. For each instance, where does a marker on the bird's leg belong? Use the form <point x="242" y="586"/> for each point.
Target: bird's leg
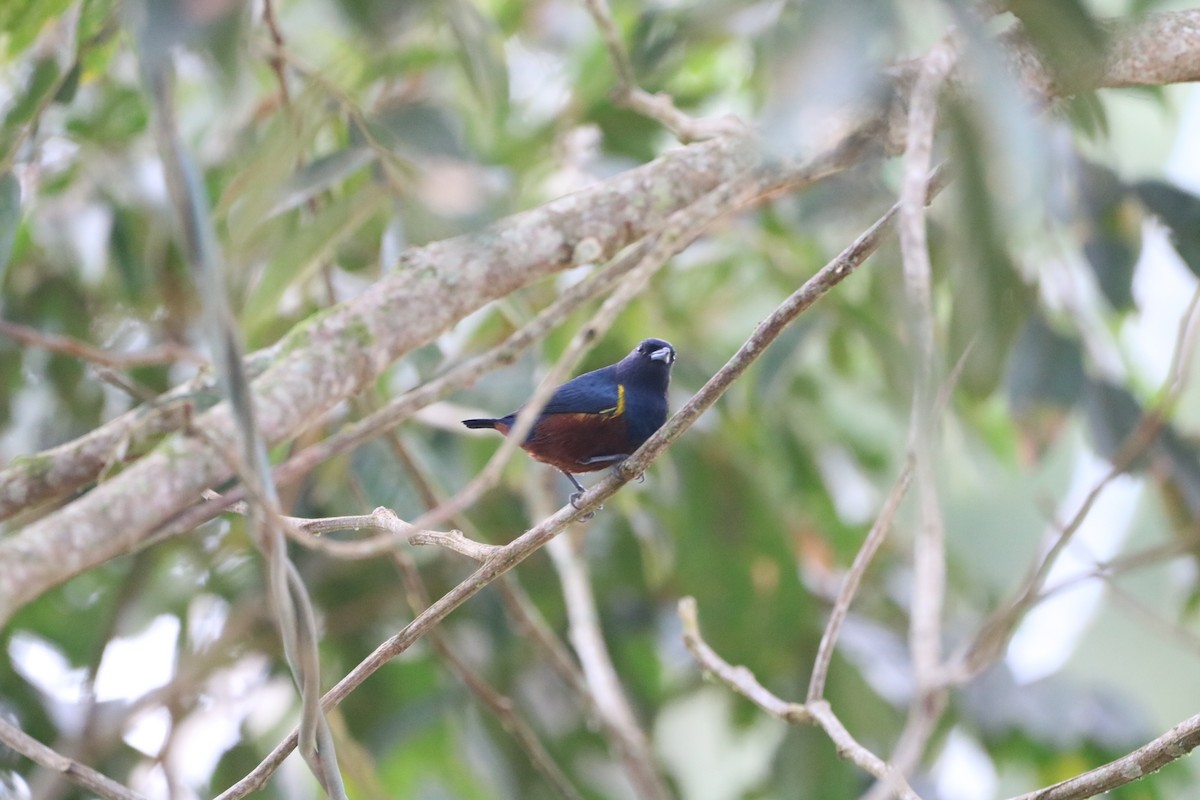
<point x="574" y="498"/>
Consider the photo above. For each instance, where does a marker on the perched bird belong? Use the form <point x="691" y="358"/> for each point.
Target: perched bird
<point x="598" y="419"/>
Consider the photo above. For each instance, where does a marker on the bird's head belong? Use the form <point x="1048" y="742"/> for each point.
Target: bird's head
<point x="654" y="350"/>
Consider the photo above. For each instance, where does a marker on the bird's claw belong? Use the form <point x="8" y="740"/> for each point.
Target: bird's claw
<point x="574" y="501"/>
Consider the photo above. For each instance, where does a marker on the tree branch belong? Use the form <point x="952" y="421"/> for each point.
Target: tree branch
<point x="500" y="706"/>
<point x="1171" y="746"/>
<point x="75" y="772"/>
<point x="742" y="681"/>
<point x="862" y="560"/>
<point x="168" y="353"/>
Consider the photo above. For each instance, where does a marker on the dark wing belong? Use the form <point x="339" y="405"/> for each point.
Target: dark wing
<point x="591" y="393"/>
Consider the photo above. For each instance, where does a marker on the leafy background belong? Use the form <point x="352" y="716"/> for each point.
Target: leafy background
<point x="1065" y="254"/>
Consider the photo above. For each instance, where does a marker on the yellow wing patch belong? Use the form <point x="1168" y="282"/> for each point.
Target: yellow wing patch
<point x="619" y="408"/>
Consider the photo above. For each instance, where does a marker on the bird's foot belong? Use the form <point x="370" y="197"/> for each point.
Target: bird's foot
<point x="574" y="501"/>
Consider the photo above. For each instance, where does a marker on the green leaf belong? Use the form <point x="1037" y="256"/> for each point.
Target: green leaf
<point x="248" y="200"/>
<point x="119" y="114"/>
<point x="1065" y="34"/>
<point x="420" y="129"/>
<point x="481" y="52"/>
<point x="991" y="300"/>
<point x="130" y="266"/>
<point x="1183" y="458"/>
<point x="22" y="20"/>
<point x="1111" y="239"/>
<point x="1112" y="414"/>
<point x="323" y="173"/>
<point x="1045" y="369"/>
<point x="1179" y="211"/>
<point x="10" y="218"/>
<point x="42" y="84"/>
<point x="314" y="242"/>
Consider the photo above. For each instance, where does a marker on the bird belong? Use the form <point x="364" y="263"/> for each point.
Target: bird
<point x="598" y="419"/>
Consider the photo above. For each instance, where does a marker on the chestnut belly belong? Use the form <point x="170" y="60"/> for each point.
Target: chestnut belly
<point x="580" y="442"/>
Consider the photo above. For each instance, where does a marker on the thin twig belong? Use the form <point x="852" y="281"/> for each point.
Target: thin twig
<point x="996" y="631"/>
<point x="72" y="770"/>
<point x="929" y="552"/>
<point x="742" y="680"/>
<point x="862" y="560"/>
<point x="397" y="533"/>
<point x="1129" y="562"/>
<point x="275" y="59"/>
<point x="1171" y="746"/>
<point x="168" y="353"/>
<point x="738" y="678"/>
<point x="502" y="707"/>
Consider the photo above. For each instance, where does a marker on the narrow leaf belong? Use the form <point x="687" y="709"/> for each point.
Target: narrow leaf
<point x="313" y="243"/>
<point x="1179" y="211"/>
<point x="10" y="217"/>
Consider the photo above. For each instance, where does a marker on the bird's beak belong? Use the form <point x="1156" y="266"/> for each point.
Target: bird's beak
<point x="662" y="354"/>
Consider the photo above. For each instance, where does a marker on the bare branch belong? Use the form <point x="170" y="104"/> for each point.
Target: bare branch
<point x="742" y="681"/>
<point x="456" y="541"/>
<point x="849" y="749"/>
<point x="850" y="584"/>
<point x="168" y="353"/>
<point x="499" y="705"/>
<point x="1171" y="746"/>
<point x="929" y="551"/>
<point x="397" y="533"/>
<point x="1153" y="49"/>
<point x="996" y="631"/>
<point x="1127" y="563"/>
<point x="72" y="770"/>
<point x="738" y="678"/>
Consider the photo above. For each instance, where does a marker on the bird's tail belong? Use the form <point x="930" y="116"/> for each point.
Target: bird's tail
<point x="480" y="423"/>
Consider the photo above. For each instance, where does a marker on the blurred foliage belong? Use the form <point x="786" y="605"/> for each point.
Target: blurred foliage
<point x="1060" y="278"/>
